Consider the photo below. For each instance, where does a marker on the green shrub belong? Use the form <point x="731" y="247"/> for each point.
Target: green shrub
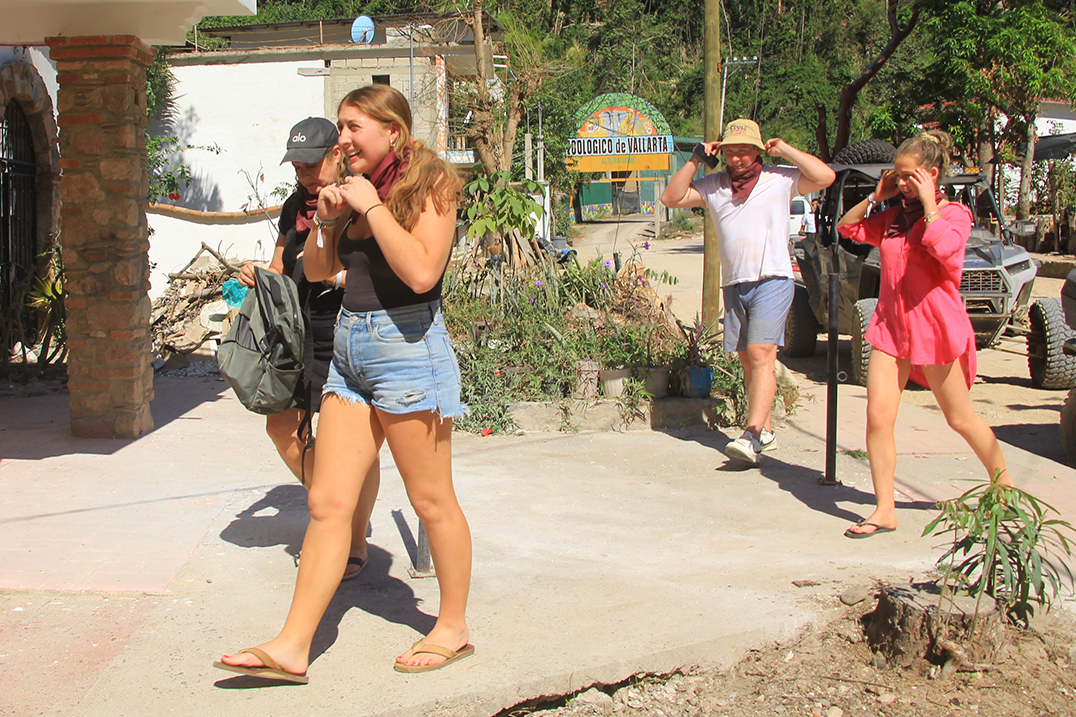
<point x="519" y="333"/>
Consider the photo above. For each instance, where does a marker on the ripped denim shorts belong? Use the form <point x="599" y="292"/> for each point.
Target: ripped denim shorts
<point x="396" y="360"/>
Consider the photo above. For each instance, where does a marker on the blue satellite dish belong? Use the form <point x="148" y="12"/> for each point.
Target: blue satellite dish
<point x="362" y="30"/>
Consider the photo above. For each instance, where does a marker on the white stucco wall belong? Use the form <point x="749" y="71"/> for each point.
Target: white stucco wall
<point x="39" y="58"/>
<point x="247" y="111"/>
<point x="175" y="242"/>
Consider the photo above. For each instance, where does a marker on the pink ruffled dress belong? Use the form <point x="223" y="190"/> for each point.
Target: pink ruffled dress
<point x="920" y="315"/>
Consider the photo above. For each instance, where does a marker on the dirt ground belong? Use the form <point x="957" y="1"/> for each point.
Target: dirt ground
<point x="830" y="672"/>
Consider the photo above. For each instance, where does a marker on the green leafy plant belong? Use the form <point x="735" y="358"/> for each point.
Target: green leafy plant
<point x="36" y="317"/>
<point x="679" y="223"/>
<point x="167" y="175"/>
<point x="700" y="341"/>
<point x="496" y="210"/>
<point x="519" y="333"/>
<point x="1003" y="544"/>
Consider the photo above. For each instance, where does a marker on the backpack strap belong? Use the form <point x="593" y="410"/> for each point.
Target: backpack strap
<point x="306" y="434"/>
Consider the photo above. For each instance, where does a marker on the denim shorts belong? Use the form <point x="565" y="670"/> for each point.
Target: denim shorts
<point x="755" y="312"/>
<point x="396" y="360"/>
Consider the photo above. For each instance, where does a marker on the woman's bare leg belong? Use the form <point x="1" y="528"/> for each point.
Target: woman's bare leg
<point x="886" y="378"/>
<point x="348" y="442"/>
<point x="951" y="391"/>
<point x="361" y="521"/>
<point x="421" y="444"/>
<point x="283" y="429"/>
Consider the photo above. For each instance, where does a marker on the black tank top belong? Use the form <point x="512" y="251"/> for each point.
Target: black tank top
<point x="322" y="303"/>
<point x="372" y="285"/>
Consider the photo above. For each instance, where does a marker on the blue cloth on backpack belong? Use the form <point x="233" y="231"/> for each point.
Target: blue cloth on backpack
<point x="234" y="293"/>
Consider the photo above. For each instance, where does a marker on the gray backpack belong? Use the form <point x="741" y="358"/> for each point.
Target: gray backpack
<point x="262" y="356"/>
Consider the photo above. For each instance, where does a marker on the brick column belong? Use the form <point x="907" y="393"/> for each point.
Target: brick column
<point x="102" y="120"/>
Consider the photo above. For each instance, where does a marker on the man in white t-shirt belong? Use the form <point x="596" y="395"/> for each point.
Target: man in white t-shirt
<point x="807" y="226"/>
<point x="749" y="205"/>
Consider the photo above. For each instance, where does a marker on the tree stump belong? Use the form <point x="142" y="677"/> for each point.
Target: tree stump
<point x="907" y="628"/>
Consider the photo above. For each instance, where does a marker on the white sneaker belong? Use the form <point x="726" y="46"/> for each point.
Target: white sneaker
<point x="767" y="440"/>
<point x="746" y="448"/>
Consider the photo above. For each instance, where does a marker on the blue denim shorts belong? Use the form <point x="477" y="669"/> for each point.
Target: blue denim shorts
<point x="755" y="312"/>
<point x="396" y="360"/>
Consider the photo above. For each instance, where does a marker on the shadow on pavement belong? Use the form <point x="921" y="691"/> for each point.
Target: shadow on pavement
<point x="800" y="481"/>
<point x="280" y="518"/>
<point x="173" y="397"/>
<point x="695" y="249"/>
<point x="33" y="427"/>
<point x="1043" y="441"/>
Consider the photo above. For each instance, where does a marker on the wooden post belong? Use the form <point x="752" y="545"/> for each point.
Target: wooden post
<point x="659" y="187"/>
<point x="711" y="261"/>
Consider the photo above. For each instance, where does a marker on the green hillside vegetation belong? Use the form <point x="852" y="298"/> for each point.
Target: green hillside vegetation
<point x="897" y="63"/>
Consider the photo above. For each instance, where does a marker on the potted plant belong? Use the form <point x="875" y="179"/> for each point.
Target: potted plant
<point x="657" y="371"/>
<point x="622" y="347"/>
<point x="696" y="376"/>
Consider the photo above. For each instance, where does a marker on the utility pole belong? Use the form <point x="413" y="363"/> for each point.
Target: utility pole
<point x="711" y="261"/>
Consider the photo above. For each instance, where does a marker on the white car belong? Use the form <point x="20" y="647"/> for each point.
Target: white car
<point x="797" y="209"/>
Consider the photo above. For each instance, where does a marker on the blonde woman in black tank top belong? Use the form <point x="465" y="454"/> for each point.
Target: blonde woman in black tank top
<point x="393" y="377"/>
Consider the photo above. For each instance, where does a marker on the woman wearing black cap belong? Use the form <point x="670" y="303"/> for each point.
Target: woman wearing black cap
<point x="313" y="151"/>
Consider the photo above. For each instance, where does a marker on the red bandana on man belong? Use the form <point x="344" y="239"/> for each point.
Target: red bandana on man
<point x="745" y="182"/>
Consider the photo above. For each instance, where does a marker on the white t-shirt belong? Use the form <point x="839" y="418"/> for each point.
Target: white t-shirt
<point x="808" y="222"/>
<point x="752" y="236"/>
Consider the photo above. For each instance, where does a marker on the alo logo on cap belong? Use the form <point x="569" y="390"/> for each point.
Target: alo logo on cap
<point x="299" y="138"/>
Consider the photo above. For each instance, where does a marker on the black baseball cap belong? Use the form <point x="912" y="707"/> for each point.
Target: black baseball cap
<point x="308" y="140"/>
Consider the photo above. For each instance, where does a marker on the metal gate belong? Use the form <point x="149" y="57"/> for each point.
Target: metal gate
<point x="18" y="210"/>
<point x="625" y="202"/>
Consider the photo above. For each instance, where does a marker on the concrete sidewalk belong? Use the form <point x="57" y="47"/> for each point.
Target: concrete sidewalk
<point x="127" y="567"/>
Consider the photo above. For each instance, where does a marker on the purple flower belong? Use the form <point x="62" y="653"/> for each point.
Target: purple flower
<point x="531" y="299"/>
<point x="646" y="245"/>
<point x="537" y="282"/>
<point x="602" y="285"/>
<point x="608" y="263"/>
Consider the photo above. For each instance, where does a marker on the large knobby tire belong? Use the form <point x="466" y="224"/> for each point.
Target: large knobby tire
<point x="869" y="151"/>
<point x="801" y="326"/>
<point x="861" y="350"/>
<point x="1046" y="359"/>
<point x="1068" y="428"/>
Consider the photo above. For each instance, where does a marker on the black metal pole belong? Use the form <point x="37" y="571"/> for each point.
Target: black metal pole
<point x="830" y="478"/>
<point x="423" y="567"/>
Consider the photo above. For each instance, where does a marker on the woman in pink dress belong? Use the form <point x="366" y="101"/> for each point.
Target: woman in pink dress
<point x="920" y="329"/>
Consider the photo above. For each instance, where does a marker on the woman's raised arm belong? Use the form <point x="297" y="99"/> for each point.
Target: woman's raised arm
<point x="319" y="252"/>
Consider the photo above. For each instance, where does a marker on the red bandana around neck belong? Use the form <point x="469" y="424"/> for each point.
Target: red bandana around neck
<point x="304" y="219"/>
<point x="911" y="212"/>
<point x="386" y="175"/>
<point x="743" y="184"/>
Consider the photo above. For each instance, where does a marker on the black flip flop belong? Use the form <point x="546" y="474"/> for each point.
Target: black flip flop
<point x="859" y="536"/>
<point x="353" y="561"/>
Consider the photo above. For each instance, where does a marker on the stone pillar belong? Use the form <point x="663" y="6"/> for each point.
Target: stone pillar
<point x="102" y="120"/>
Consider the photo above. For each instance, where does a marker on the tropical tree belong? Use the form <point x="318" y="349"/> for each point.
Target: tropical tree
<point x="1006" y="59"/>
